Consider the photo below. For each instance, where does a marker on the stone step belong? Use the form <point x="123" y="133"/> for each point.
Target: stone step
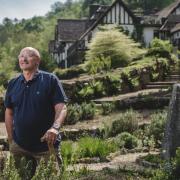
<point x="157" y="86"/>
<point x="172" y="79"/>
<point x="174" y="72"/>
<point x="174" y="75"/>
<point x="76" y="133"/>
<point x="168" y="83"/>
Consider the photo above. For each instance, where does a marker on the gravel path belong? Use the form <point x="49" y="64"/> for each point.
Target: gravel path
<point x="125" y="161"/>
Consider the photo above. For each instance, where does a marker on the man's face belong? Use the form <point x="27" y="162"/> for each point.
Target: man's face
<point x="28" y="61"/>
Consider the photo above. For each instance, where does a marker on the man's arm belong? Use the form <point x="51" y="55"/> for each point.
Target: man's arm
<point x="9" y="123"/>
<point x="60" y="115"/>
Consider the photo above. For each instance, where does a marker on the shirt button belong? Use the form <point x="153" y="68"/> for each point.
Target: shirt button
<point x="27" y="86"/>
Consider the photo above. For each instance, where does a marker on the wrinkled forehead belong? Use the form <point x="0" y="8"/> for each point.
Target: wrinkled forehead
<point x="29" y="52"/>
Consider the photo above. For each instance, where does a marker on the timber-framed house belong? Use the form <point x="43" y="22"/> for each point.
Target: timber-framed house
<point x="73" y="35"/>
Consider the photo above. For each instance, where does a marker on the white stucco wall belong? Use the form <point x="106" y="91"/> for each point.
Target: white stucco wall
<point x="177" y="11"/>
<point x="148" y="35"/>
<point x="130" y="28"/>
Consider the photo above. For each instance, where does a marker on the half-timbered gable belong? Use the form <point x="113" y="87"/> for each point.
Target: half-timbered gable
<point x="72" y="37"/>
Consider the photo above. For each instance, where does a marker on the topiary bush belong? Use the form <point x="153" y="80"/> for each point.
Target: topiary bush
<point x="126" y="140"/>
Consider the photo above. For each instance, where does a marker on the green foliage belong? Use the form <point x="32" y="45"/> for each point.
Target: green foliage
<point x="74" y="114"/>
<point x="10" y="172"/>
<point x="98" y="64"/>
<point x="154" y="158"/>
<point x="94" y="147"/>
<point x="78" y="112"/>
<point x="148" y="6"/>
<point x="160" y="48"/>
<point x="157" y="126"/>
<point x="46" y="171"/>
<point x="126" y="140"/>
<point x="25" y="168"/>
<point x="107" y="108"/>
<point x="169" y="169"/>
<point x="127" y="121"/>
<point x="112" y="84"/>
<point x="85" y="147"/>
<point x="91" y="90"/>
<point x="116" y="47"/>
<point x="47" y="63"/>
<point x="69" y="73"/>
<point x="88" y="110"/>
<point x="68" y="151"/>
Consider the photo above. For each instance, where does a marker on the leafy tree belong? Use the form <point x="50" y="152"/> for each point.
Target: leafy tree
<point x="113" y="48"/>
<point x="160" y="48"/>
<point x="148" y="5"/>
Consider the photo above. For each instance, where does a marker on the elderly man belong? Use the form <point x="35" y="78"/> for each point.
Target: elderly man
<point x="35" y="109"/>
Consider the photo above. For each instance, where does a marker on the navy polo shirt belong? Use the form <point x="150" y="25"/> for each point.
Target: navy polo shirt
<point x="33" y="108"/>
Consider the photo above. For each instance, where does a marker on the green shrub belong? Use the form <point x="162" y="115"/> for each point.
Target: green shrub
<point x="126" y="140"/>
<point x="4" y="77"/>
<point x="10" y="172"/>
<point x="117" y="46"/>
<point x="68" y="152"/>
<point x="69" y="73"/>
<point x="94" y="147"/>
<point x="154" y="158"/>
<point x="88" y="110"/>
<point x="46" y="170"/>
<point x="127" y="121"/>
<point x="77" y="112"/>
<point x="160" y="48"/>
<point x="107" y="108"/>
<point x="157" y="127"/>
<point x="99" y="64"/>
<point x="112" y="84"/>
<point x="74" y="114"/>
<point x="90" y="90"/>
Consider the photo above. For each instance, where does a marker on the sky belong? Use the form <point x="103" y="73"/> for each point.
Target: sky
<point x="24" y="8"/>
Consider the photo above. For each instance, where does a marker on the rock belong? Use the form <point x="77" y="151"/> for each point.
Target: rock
<point x="89" y="160"/>
<point x="3" y="140"/>
<point x="172" y="131"/>
<point x="1" y="147"/>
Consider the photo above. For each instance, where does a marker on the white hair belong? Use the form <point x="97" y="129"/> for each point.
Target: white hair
<point x="31" y="51"/>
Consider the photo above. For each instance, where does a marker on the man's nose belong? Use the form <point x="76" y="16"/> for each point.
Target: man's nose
<point x="24" y="58"/>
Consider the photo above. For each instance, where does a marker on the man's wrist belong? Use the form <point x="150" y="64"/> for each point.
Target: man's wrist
<point x="56" y="126"/>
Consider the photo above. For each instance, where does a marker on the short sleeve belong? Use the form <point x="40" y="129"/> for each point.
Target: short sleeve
<point x="58" y="94"/>
<point x="8" y="99"/>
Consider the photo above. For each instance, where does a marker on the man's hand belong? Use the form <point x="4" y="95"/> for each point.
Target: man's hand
<point x="50" y="136"/>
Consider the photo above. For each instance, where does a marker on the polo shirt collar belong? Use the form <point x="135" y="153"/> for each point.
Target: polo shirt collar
<point x="22" y="78"/>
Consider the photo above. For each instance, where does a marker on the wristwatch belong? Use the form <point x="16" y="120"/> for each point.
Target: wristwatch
<point x="56" y="127"/>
